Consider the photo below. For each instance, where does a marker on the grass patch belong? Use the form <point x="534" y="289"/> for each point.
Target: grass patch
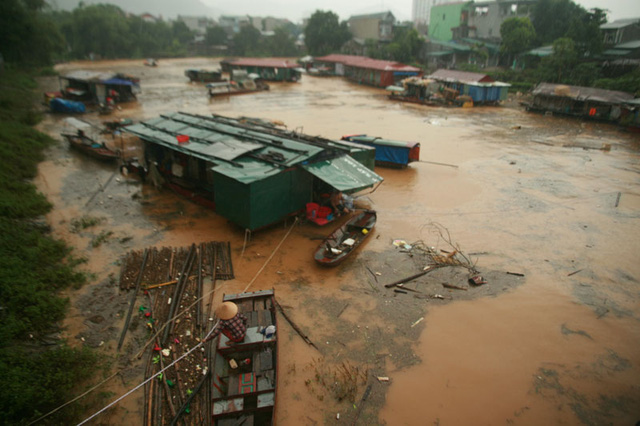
<point x="85" y="222"/>
<point x="101" y="238"/>
<point x="35" y="267"/>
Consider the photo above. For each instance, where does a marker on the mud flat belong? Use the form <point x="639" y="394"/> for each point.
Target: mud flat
<point x="532" y="194"/>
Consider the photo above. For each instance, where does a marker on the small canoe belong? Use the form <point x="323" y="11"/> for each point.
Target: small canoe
<point x="344" y="240"/>
<point x="245" y="375"/>
<point x="90" y="147"/>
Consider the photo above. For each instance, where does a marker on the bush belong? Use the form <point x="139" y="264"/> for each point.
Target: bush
<point x="34" y="267"/>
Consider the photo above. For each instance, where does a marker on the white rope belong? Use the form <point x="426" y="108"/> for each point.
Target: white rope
<point x="270" y="257"/>
<point x="149" y="379"/>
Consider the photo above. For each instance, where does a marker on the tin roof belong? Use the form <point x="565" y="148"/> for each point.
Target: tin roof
<point x="461" y="76"/>
<point x="581" y="93"/>
<point x="264" y="62"/>
<point x="619" y="23"/>
<point x="241" y="149"/>
<point x="368" y="63"/>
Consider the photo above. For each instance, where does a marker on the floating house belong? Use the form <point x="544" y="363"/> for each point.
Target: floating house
<point x="365" y="70"/>
<point x="585" y="102"/>
<point x="96" y="87"/>
<point x="271" y="69"/>
<point x="252" y="173"/>
<point x="481" y="88"/>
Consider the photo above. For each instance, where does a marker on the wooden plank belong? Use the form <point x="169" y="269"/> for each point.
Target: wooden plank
<point x="264" y="318"/>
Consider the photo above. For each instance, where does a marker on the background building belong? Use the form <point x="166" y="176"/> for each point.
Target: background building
<point x="375" y="26"/>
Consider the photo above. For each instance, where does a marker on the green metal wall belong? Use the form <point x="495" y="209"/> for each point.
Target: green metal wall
<point x="366" y="157"/>
<point x="264" y="202"/>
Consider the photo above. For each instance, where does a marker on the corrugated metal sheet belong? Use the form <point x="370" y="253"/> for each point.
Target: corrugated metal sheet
<point x="368" y="63"/>
<point x="264" y="62"/>
<point x="619" y="23"/>
<point x="461" y="76"/>
<point x="213" y="140"/>
<point x="581" y="93"/>
<point x="83" y="75"/>
<point x="344" y="174"/>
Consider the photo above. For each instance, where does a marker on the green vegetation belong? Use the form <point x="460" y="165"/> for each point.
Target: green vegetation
<point x="35" y="267"/>
<point x="85" y="222"/>
<point x="324" y="33"/>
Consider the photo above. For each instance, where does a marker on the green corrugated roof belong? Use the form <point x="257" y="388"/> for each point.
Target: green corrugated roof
<point x="216" y="141"/>
<point x="344" y="174"/>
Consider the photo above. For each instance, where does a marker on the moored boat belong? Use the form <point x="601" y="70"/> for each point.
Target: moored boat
<point x="81" y="141"/>
<point x="245" y="375"/>
<point x="203" y="76"/>
<point x="346" y="239"/>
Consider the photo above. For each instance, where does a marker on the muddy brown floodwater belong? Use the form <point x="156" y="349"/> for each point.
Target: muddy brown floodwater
<point x="531" y="194"/>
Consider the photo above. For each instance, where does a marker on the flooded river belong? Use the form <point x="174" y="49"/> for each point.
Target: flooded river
<point x="531" y="194"/>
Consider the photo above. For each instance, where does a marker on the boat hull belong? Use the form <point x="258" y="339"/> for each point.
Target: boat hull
<point x="91" y="148"/>
<point x="246" y="394"/>
<point x="337" y="246"/>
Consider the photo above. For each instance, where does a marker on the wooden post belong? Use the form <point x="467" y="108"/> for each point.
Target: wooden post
<point x="133" y="299"/>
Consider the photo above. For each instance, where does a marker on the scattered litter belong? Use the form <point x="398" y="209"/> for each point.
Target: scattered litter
<point x="412" y="325"/>
<point x="383" y="379"/>
<point x="402" y="243"/>
<point x="166" y="352"/>
<point x="437" y="296"/>
<point x="379" y="274"/>
<point x="477" y="280"/>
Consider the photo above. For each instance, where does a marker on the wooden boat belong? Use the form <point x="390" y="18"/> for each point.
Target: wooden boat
<point x="389" y="153"/>
<point x="203" y="76"/>
<point x="246" y="394"/>
<point x="90" y="147"/>
<point x="229" y="88"/>
<point x="344" y="240"/>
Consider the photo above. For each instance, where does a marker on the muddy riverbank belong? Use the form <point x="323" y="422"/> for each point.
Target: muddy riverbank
<point x="531" y="194"/>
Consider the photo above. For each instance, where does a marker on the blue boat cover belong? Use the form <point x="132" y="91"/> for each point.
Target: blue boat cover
<point x="64" y="105"/>
<point x="118" y="82"/>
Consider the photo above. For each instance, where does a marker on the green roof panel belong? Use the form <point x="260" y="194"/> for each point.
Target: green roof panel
<point x="344" y="174"/>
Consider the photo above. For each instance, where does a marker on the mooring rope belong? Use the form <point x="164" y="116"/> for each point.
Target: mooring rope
<point x="149" y="379"/>
<point x="152" y="339"/>
<point x="271" y="256"/>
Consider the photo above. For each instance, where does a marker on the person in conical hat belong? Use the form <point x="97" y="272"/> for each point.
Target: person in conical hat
<point x="232" y="323"/>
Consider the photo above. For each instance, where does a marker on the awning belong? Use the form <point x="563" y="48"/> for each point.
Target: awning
<point x="344" y="174"/>
<point x="397" y="89"/>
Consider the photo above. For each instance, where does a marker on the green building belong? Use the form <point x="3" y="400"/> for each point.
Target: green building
<point x="251" y="172"/>
<point x="445" y="17"/>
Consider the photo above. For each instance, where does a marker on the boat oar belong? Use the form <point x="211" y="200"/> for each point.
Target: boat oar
<point x="438" y="164"/>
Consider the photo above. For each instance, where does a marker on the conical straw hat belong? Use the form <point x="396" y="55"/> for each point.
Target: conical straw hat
<point x="226" y="310"/>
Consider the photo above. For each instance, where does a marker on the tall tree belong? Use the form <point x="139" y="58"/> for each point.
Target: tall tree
<point x="584" y="30"/>
<point x="26" y="35"/>
<point x="247" y="41"/>
<point x="561" y="63"/>
<point x="405" y="46"/>
<point x="281" y="43"/>
<point x="518" y="35"/>
<point x="324" y="34"/>
<point x="215" y="36"/>
<point x="100" y="29"/>
<point x="551" y="18"/>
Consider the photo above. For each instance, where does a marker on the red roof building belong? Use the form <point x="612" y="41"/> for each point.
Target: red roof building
<point x="365" y="70"/>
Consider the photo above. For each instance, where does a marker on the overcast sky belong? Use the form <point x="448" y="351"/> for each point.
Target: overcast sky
<point x="296" y="10"/>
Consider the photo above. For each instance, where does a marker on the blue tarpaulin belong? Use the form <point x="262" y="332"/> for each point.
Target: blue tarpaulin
<point x="64" y="105"/>
<point x="387" y="151"/>
<point x="118" y="82"/>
